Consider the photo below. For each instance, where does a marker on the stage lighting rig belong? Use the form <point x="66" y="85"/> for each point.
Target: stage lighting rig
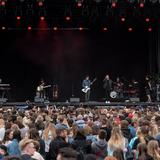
<point x="97" y="1"/>
<point x="29" y="10"/>
<point x="131" y="1"/>
<point x="154" y="1"/>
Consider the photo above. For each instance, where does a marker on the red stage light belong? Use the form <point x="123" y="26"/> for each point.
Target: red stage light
<point x="40" y="4"/>
<point x="141" y="5"/>
<point x="79" y="4"/>
<point x="3" y="28"/>
<point x="42" y="18"/>
<point x="123" y="19"/>
<point x="55" y="28"/>
<point x="3" y="3"/>
<point x="113" y="4"/>
<point x="150" y="29"/>
<point x="130" y="29"/>
<point x="29" y="28"/>
<point x="18" y="17"/>
<point x="147" y="19"/>
<point x="105" y="29"/>
<point x="68" y="18"/>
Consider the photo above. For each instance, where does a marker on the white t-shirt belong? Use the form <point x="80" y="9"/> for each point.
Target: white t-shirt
<point x="2" y="133"/>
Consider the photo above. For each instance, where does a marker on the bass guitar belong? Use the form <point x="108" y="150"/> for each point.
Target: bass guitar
<point x="42" y="87"/>
<point x="86" y="88"/>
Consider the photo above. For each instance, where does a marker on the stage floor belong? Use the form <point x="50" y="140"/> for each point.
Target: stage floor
<point x="79" y="104"/>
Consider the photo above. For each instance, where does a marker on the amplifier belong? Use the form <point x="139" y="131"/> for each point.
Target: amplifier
<point x="38" y="100"/>
<point x="75" y="100"/>
<point x="2" y="100"/>
<point x="136" y="99"/>
<point x="158" y="92"/>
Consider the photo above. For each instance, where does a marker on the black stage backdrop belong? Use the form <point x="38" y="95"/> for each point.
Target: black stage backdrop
<point x="65" y="57"/>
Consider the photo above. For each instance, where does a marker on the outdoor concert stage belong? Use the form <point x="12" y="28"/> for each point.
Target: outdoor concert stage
<point x="80" y="104"/>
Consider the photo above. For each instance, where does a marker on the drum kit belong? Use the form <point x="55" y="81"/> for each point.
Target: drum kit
<point x="130" y="91"/>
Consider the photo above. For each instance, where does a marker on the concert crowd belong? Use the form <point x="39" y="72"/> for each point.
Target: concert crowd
<point x="82" y="133"/>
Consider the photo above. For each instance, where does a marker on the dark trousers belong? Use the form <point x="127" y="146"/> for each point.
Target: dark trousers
<point x="87" y="96"/>
<point x="42" y="94"/>
<point x="107" y="94"/>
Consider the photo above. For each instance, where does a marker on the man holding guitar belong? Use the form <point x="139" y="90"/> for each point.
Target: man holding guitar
<point x="41" y="89"/>
<point x="86" y="84"/>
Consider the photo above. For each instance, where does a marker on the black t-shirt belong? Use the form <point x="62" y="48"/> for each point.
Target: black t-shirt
<point x="26" y="157"/>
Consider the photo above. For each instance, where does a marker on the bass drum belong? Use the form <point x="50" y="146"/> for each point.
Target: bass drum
<point x="113" y="94"/>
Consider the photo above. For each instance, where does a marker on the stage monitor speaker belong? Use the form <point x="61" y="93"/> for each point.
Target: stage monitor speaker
<point x="158" y="92"/>
<point x="158" y="97"/>
<point x="136" y="99"/>
<point x="3" y="100"/>
<point x="75" y="100"/>
<point x="38" y="100"/>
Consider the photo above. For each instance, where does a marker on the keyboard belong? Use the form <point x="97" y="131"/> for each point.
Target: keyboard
<point x="4" y="85"/>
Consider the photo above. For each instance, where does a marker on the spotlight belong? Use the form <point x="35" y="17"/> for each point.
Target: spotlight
<point x="29" y="28"/>
<point x="42" y="18"/>
<point x="81" y="28"/>
<point x="113" y="4"/>
<point x="130" y="29"/>
<point x="105" y="29"/>
<point x="3" y="28"/>
<point x="68" y="18"/>
<point x="147" y="19"/>
<point x="3" y="3"/>
<point x="79" y="4"/>
<point x="141" y="5"/>
<point x="18" y="17"/>
<point x="55" y="28"/>
<point x="123" y="19"/>
<point x="40" y="3"/>
<point x="150" y="29"/>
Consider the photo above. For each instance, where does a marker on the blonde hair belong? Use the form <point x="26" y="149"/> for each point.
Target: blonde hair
<point x="49" y="128"/>
<point x="87" y="130"/>
<point x="1" y="123"/>
<point x="23" y="143"/>
<point x="152" y="149"/>
<point x="153" y="130"/>
<point x="140" y="136"/>
<point x="110" y="158"/>
<point x="117" y="140"/>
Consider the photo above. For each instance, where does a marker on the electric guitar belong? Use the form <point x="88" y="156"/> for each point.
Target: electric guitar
<point x="42" y="87"/>
<point x="86" y="88"/>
